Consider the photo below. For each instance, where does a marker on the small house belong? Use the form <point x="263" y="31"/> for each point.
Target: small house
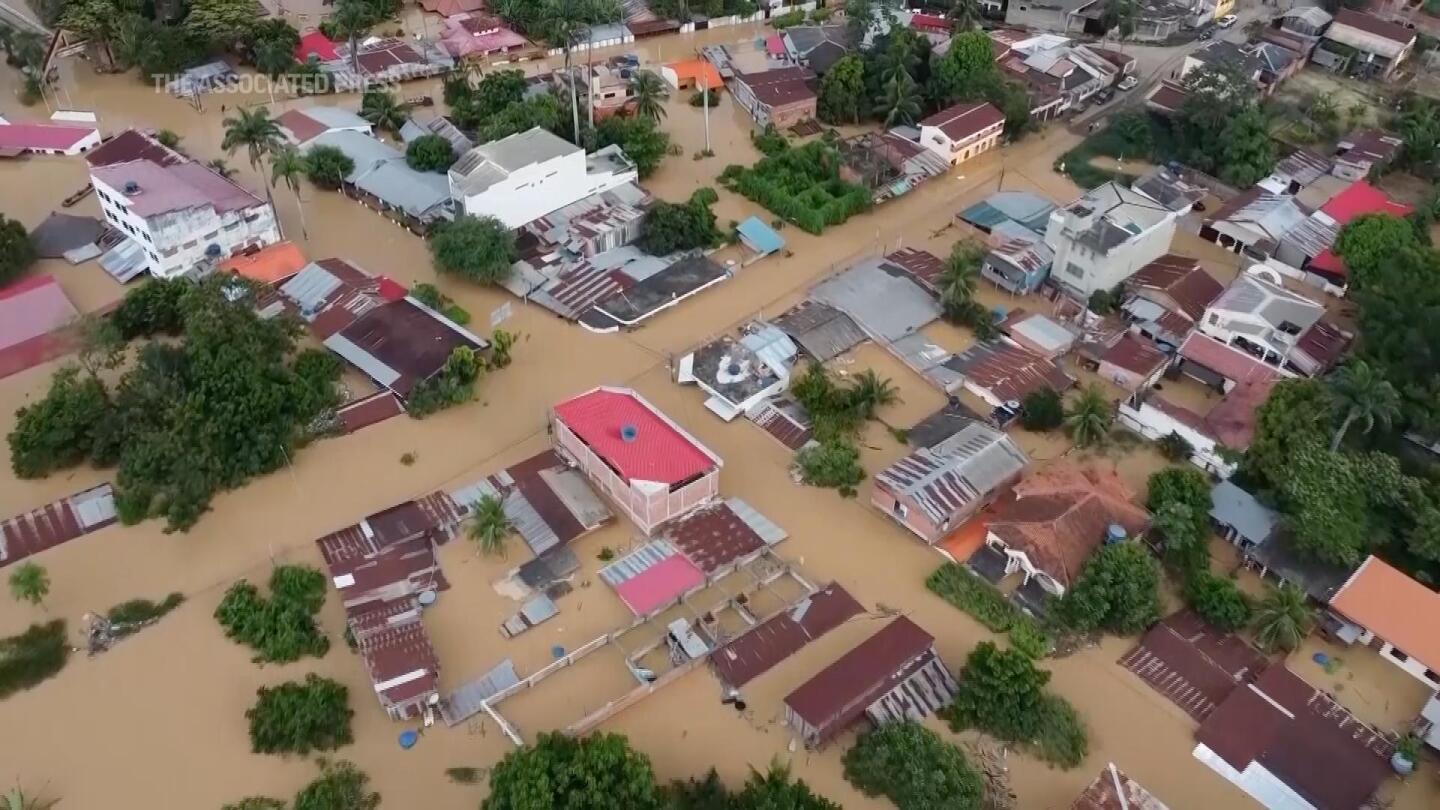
<point x="1393" y="614"/>
<point x="1363" y="45"/>
<point x="1133" y="363"/>
<point x="781" y="97"/>
<point x="963" y="131"/>
<point x="1167" y="298"/>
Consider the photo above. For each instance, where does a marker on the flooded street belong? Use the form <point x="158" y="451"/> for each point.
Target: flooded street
<point x="159" y="720"/>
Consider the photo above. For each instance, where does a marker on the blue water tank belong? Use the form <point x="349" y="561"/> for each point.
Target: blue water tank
<point x="1115" y="533"/>
<point x="628" y="433"/>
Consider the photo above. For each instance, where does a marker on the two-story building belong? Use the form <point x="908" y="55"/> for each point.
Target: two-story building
<point x="1257" y="314"/>
<point x="781" y="97"/>
<point x="527" y="175"/>
<point x="1105" y="236"/>
<point x="1363" y="45"/>
<point x="181" y="213"/>
<point x="963" y="131"/>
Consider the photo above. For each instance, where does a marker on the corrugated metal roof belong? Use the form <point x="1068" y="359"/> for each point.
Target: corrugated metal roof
<point x="886" y="306"/>
<point x="361" y="359"/>
<point x="952" y="475"/>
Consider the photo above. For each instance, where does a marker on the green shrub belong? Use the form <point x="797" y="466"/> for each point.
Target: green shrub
<point x="33" y="656"/>
<point x="787" y="20"/>
<point x="914" y="768"/>
<point x="458" y="314"/>
<point x="1042" y="410"/>
<point x="834" y="463"/>
<point x="296" y="718"/>
<point x="957" y="585"/>
<point x="1003" y="694"/>
<point x="280" y="628"/>
<point x="127" y="617"/>
<point x="1062" y="739"/>
<point x="1028" y="638"/>
<point x="1218" y="601"/>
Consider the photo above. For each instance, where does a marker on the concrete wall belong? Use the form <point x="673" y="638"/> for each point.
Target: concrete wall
<point x="1154" y="424"/>
<point x="534" y="191"/>
<point x="906" y="512"/>
<point x="1084" y="271"/>
<point x="957" y="152"/>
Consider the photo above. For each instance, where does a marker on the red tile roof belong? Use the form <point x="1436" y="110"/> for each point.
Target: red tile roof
<point x="659" y="451"/>
<point x="757" y="651"/>
<point x="318" y="44"/>
<point x="43" y="136"/>
<point x="840" y="693"/>
<point x="1183" y="280"/>
<point x="1227" y="361"/>
<point x="965" y="120"/>
<point x="1060" y="514"/>
<point x="133" y="145"/>
<point x="31" y="307"/>
<point x="268" y="265"/>
<point x="781" y="86"/>
<point x="1232" y="420"/>
<point x="1301" y="736"/>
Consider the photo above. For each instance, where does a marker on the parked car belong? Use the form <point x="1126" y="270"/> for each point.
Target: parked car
<point x="1207" y="33"/>
<point x="1105" y="95"/>
<point x="1228" y="20"/>
<point x="1128" y="83"/>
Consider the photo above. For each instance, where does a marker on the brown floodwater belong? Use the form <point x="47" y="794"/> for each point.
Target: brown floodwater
<point x="159" y="720"/>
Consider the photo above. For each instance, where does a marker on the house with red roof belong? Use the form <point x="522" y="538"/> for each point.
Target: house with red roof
<point x="1167" y="298"/>
<point x="52" y="138"/>
<point x="315" y="46"/>
<point x="1358" y="199"/>
<point x="963" y="131"/>
<point x="645" y="463"/>
<point x="893" y="676"/>
<point x="1386" y="609"/>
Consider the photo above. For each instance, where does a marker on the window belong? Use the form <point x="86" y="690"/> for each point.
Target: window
<point x="901" y="510"/>
<point x="1398" y="656"/>
<point x="1074" y="270"/>
<point x="1431" y="676"/>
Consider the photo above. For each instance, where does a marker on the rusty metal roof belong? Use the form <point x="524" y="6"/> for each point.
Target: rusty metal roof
<point x="947" y="478"/>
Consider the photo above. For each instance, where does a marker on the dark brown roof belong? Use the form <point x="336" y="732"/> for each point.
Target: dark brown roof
<point x="1371" y="24"/>
<point x="1135" y="354"/>
<point x="1193" y="665"/>
<point x="756" y="651"/>
<point x="398" y="651"/>
<point x="921" y="265"/>
<point x="1059" y="515"/>
<point x="365" y="412"/>
<point x="713" y="537"/>
<point x="1324" y="342"/>
<point x="411" y="341"/>
<point x="131" y="145"/>
<point x="1167" y="96"/>
<point x="840" y="693"/>
<point x="781" y="86"/>
<point x="1113" y="790"/>
<point x="1300" y="735"/>
<point x="965" y="120"/>
<point x="1232" y="420"/>
<point x="1008" y="372"/>
<point x="1183" y="280"/>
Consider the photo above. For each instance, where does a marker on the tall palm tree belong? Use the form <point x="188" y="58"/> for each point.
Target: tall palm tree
<point x="382" y="109"/>
<point x="489" y="526"/>
<point x="352" y="20"/>
<point x="900" y="56"/>
<point x="650" y="94"/>
<point x="901" y="100"/>
<point x="567" y="21"/>
<point x="1283" y="618"/>
<point x="288" y="165"/>
<point x="254" y="130"/>
<point x="15" y="799"/>
<point x="871" y="392"/>
<point x="1089" y="417"/>
<point x="965" y="13"/>
<point x="1363" y="396"/>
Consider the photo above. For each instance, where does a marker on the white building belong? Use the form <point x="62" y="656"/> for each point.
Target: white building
<point x="963" y="131"/>
<point x="1258" y="314"/>
<point x="179" y="212"/>
<point x="529" y="174"/>
<point x="1105" y="236"/>
<point x="302" y="127"/>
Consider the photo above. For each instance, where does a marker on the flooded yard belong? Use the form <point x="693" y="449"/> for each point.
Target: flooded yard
<point x="159" y="720"/>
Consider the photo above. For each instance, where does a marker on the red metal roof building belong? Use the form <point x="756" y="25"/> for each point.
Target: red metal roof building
<point x="761" y="648"/>
<point x="893" y="675"/>
<point x="1357" y="199"/>
<point x="963" y="131"/>
<point x="1220" y="364"/>
<point x="648" y="465"/>
<point x="317" y="45"/>
<point x="54" y="523"/>
<point x="1288" y="744"/>
<point x="32" y="307"/>
<point x="1113" y="790"/>
<point x="46" y="139"/>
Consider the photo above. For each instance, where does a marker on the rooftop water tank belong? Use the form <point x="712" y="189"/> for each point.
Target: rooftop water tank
<point x="628" y="433"/>
<point x="1115" y="533"/>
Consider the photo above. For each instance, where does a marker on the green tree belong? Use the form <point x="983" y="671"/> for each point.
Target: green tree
<point x="223" y="22"/>
<point x="32" y="657"/>
<point x="1042" y="410"/>
<point x="478" y="249"/>
<point x="254" y="131"/>
<point x="965" y="70"/>
<point x="501" y="342"/>
<point x="384" y="110"/>
<point x="870" y="392"/>
<point x="964" y="13"/>
<point x="1327" y="500"/>
<point x="1134" y="131"/>
<point x="1360" y="395"/>
<point x="17" y="799"/>
<point x="1183" y="531"/>
<point x="280" y="628"/>
<point x="1001" y="692"/>
<point x="272" y="46"/>
<point x="842" y="92"/>
<point x="1419" y="125"/>
<point x="327" y="166"/>
<point x="649" y="93"/>
<point x="542" y="111"/>
<point x="1183" y="485"/>
<point x="1175" y="447"/>
<point x="642" y="141"/>
<point x="961" y="274"/>
<point x="29" y="583"/>
<point x="1293" y="415"/>
<point x="430" y="153"/>
<point x="489" y="526"/>
<point x="901" y="101"/>
<point x="1282" y="619"/>
<point x="16" y="251"/>
<point x="599" y="772"/>
<point x="1089" y="416"/>
<point x="256" y="803"/>
<point x="1118" y="590"/>
<point x="775" y="788"/>
<point x="912" y="767"/>
<point x="296" y="718"/>
<point x="1246" y="153"/>
<point x="1218" y="601"/>
<point x="453" y="385"/>
<point x="670" y="228"/>
<point x="1369" y="242"/>
<point x="62" y="429"/>
<point x="168" y="138"/>
<point x="352" y="20"/>
<point x="832" y="463"/>
<point x="340" y="786"/>
<point x="287" y="166"/>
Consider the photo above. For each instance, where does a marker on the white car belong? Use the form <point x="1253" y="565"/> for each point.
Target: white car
<point x="1228" y="20"/>
<point x="1128" y="83"/>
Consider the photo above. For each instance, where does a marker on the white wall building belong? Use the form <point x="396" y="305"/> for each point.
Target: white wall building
<point x="1258" y="314"/>
<point x="1105" y="236"/>
<point x="963" y="131"/>
<point x="179" y="212"/>
<point x="527" y="175"/>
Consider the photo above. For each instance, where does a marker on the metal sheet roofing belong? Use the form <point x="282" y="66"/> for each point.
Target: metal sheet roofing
<point x="822" y="330"/>
<point x="24" y="135"/>
<point x="760" y="237"/>
<point x="1233" y="506"/>
<point x="947" y="478"/>
<point x="759" y="649"/>
<point x="1030" y="210"/>
<point x="887" y="306"/>
<point x="657" y="451"/>
<point x="841" y="692"/>
<point x="31" y="307"/>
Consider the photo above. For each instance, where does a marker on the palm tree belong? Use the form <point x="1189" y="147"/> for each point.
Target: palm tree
<point x="872" y="392"/>
<point x="1088" y="418"/>
<point x="254" y="130"/>
<point x="1364" y="396"/>
<point x="352" y="20"/>
<point x="384" y="111"/>
<point x="901" y="100"/>
<point x="29" y="583"/>
<point x="900" y="56"/>
<point x="489" y="526"/>
<point x="567" y="24"/>
<point x="288" y="165"/>
<point x="965" y="13"/>
<point x="15" y="799"/>
<point x="1282" y="619"/>
<point x="957" y="281"/>
<point x="650" y="95"/>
